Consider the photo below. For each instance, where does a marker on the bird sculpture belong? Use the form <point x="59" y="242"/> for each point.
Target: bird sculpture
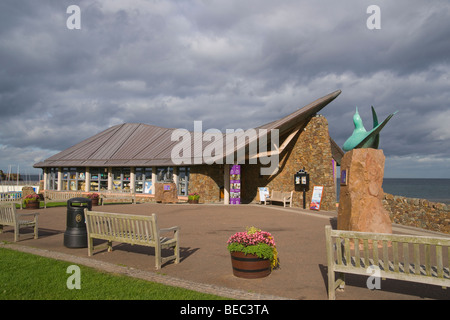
<point x="361" y="138"/>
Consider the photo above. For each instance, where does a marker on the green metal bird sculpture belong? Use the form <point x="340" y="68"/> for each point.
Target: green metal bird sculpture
<point x="361" y="138"/>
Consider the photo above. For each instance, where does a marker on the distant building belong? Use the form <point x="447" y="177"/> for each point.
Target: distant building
<point x="134" y="157"/>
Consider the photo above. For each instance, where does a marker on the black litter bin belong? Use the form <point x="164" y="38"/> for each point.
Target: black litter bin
<point x="76" y="233"/>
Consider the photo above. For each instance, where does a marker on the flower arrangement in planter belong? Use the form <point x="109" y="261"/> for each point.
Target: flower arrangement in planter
<point x="253" y="253"/>
<point x="32" y="201"/>
<point x="193" y="197"/>
<point x="94" y="198"/>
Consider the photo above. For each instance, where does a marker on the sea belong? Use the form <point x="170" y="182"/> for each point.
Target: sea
<point x="435" y="190"/>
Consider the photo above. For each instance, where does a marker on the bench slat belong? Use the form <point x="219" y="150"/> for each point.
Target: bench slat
<point x="357" y="253"/>
<point x="417" y="258"/>
<point x="406" y="256"/>
<point x="396" y="261"/>
<point x="439" y="264"/>
<point x="427" y="259"/>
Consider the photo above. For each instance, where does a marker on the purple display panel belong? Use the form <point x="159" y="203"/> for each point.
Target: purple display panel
<point x="235" y="184"/>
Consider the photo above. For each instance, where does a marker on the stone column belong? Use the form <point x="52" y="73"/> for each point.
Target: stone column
<point x="132" y="179"/>
<point x="59" y="187"/>
<point x="360" y="201"/>
<point x="87" y="187"/>
<point x="175" y="176"/>
<point x="153" y="180"/>
<point x="45" y="179"/>
<point x="110" y="179"/>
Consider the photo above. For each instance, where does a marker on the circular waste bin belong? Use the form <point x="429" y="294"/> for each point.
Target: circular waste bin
<point x="76" y="233"/>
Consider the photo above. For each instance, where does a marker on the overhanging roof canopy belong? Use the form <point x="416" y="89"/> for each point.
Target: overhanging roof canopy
<point x="142" y="145"/>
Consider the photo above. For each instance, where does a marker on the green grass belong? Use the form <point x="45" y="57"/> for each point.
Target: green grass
<point x="54" y="204"/>
<point x="30" y="277"/>
<point x="49" y="205"/>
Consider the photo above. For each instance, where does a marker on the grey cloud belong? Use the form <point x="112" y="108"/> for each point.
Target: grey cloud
<point x="231" y="64"/>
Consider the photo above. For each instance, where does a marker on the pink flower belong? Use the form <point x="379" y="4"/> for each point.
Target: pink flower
<point x="254" y="238"/>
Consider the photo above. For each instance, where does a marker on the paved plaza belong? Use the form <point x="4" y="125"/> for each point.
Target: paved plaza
<point x="205" y="262"/>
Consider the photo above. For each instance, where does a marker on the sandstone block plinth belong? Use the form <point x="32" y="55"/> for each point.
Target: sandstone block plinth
<point x="360" y="200"/>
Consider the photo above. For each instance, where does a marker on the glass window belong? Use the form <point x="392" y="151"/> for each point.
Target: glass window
<point x="117" y="179"/>
<point x="65" y="179"/>
<point x="126" y="179"/>
<point x="73" y="179"/>
<point x="99" y="179"/>
<point x="81" y="179"/>
<point x="138" y="186"/>
<point x="164" y="174"/>
<point x="183" y="180"/>
<point x="52" y="179"/>
<point x="143" y="183"/>
<point x="121" y="179"/>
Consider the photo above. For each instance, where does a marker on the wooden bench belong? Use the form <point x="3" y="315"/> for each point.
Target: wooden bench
<point x="132" y="229"/>
<point x="12" y="197"/>
<point x="279" y="196"/>
<point x="402" y="257"/>
<point x="9" y="217"/>
<point x="118" y="197"/>
<point x="60" y="196"/>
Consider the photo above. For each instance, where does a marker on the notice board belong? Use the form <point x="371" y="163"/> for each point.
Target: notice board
<point x="263" y="193"/>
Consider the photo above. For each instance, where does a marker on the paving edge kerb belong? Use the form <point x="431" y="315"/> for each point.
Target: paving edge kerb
<point x="144" y="275"/>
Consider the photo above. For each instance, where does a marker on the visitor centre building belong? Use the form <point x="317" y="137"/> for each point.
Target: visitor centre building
<point x="134" y="157"/>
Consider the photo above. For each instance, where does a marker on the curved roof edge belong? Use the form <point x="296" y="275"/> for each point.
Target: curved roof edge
<point x="137" y="144"/>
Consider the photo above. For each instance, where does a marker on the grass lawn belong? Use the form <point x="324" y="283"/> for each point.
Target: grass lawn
<point x="30" y="277"/>
<point x="49" y="205"/>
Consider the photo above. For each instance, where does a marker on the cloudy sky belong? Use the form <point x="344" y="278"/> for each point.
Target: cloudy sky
<point x="231" y="64"/>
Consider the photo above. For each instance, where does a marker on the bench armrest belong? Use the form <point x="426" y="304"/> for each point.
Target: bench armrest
<point x="27" y="214"/>
<point x="176" y="228"/>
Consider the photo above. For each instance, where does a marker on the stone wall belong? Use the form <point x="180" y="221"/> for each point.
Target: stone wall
<point x="206" y="180"/>
<point x="310" y="149"/>
<point x="418" y="213"/>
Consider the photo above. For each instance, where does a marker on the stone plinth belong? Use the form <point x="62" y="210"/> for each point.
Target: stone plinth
<point x="27" y="191"/>
<point x="166" y="192"/>
<point x="360" y="200"/>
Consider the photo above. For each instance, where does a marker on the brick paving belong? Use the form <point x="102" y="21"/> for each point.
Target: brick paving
<point x="205" y="262"/>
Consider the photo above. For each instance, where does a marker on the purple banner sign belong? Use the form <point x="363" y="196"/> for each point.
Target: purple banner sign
<point x="235" y="184"/>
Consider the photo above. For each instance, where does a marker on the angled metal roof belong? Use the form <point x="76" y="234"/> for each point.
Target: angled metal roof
<point x="143" y="145"/>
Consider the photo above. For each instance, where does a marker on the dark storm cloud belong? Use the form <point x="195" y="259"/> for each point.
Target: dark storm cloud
<point x="169" y="63"/>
